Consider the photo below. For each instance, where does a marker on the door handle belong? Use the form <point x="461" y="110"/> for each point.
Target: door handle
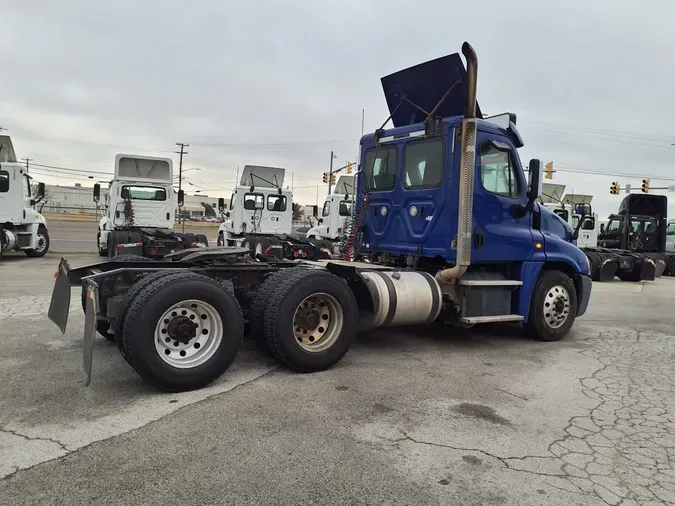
<point x="478" y="239"/>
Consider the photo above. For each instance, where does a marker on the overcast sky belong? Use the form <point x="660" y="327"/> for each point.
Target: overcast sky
<point x="283" y="82"/>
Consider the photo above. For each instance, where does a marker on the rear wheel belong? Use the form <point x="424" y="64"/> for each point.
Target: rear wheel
<point x="553" y="307"/>
<point x="41" y="244"/>
<point x="221" y="239"/>
<point x="182" y="331"/>
<point x="262" y="296"/>
<point x="310" y="320"/>
<point x="202" y="239"/>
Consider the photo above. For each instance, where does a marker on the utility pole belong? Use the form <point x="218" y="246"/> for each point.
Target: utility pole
<point x="27" y="165"/>
<point x="330" y="172"/>
<point x="180" y="173"/>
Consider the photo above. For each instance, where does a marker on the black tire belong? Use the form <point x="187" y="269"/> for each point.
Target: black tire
<point x="113" y="240"/>
<point x="595" y="260"/>
<point x="129" y="297"/>
<point x="101" y="252"/>
<point x="148" y="306"/>
<point x="132" y="258"/>
<point x="258" y="305"/>
<point x="221" y="239"/>
<point x="279" y="313"/>
<point x="42" y="235"/>
<point x="536" y="326"/>
<point x="201" y="238"/>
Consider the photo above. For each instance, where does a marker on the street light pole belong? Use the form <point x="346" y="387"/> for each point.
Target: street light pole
<point x="180" y="174"/>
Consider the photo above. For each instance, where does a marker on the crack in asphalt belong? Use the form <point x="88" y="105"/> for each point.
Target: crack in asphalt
<point x="34" y="438"/>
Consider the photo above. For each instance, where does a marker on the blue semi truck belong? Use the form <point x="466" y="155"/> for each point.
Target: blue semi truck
<point x="446" y="230"/>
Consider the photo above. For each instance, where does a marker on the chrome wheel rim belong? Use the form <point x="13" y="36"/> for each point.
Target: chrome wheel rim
<point x="556" y="307"/>
<point x="318" y="322"/>
<point x="188" y="334"/>
<point x="41" y="243"/>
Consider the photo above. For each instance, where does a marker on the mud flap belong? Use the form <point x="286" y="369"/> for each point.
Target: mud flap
<point x="59" y="306"/>
<point x="90" y="320"/>
<point x="607" y="269"/>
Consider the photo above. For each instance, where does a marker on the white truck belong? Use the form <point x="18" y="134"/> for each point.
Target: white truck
<point x="22" y="228"/>
<point x="260" y="216"/>
<point x="566" y="206"/>
<point x="140" y="210"/>
<point x="336" y="212"/>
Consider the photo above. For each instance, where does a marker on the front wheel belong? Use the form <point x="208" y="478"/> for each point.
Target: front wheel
<point x="553" y="307"/>
<point x="221" y="240"/>
<point x="182" y="331"/>
<point x="41" y="244"/>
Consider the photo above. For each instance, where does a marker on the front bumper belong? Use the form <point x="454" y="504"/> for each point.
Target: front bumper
<point x="583" y="285"/>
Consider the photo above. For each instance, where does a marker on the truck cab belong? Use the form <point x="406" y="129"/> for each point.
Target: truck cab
<point x="336" y="211"/>
<point x="640" y="225"/>
<point x="22" y="227"/>
<point x="446" y="190"/>
<point x="567" y="208"/>
<point x="139" y="208"/>
<point x="259" y="206"/>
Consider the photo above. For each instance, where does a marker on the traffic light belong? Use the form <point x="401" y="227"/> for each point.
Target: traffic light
<point x="349" y="167"/>
<point x="548" y="170"/>
<point x="614" y="189"/>
<point x="645" y="186"/>
<point x="325" y="177"/>
<point x="332" y="178"/>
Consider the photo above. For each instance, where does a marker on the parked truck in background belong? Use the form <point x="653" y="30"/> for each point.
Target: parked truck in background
<point x="637" y="235"/>
<point x="260" y="216"/>
<point x="139" y="211"/>
<point x="447" y="231"/>
<point x="336" y="213"/>
<point x="22" y="228"/>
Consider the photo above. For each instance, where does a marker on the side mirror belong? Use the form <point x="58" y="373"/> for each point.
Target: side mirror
<point x="227" y="214"/>
<point x="181" y="198"/>
<point x="535" y="183"/>
<point x="221" y="204"/>
<point x="41" y="190"/>
<point x="602" y="228"/>
<point x="315" y="211"/>
<point x="97" y="192"/>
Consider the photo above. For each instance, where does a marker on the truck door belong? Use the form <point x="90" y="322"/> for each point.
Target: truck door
<point x="405" y="205"/>
<point x="500" y="188"/>
<point x="275" y="218"/>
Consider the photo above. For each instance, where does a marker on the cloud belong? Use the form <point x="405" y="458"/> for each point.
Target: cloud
<point x="283" y="83"/>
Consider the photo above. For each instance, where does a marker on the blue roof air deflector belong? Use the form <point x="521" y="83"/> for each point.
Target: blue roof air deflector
<point x="424" y="85"/>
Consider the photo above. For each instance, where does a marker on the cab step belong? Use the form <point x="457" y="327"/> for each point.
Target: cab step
<point x="490" y="282"/>
<point x="492" y="319"/>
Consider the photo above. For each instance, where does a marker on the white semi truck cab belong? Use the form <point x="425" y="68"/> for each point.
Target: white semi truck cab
<point x="22" y="228"/>
<point x="259" y="207"/>
<point x="140" y="209"/>
<point x="336" y="212"/>
<point x="566" y="207"/>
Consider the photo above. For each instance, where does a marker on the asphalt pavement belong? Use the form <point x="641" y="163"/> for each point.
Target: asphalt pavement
<point x="410" y="416"/>
<point x="80" y="236"/>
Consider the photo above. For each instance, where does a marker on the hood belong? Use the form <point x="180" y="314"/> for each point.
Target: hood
<point x="425" y="84"/>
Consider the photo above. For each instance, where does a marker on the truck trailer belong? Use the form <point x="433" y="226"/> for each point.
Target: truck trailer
<point x="448" y="232"/>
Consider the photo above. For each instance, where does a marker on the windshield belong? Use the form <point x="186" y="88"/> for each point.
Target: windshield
<point x="143" y="193"/>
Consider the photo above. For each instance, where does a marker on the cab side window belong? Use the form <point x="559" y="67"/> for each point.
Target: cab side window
<point x="497" y="170"/>
<point x="670" y="229"/>
<point x="26" y="187"/>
